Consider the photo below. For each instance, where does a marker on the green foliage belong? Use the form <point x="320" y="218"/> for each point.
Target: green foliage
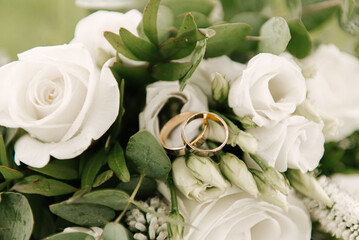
<point x="102" y="178"/>
<point x="147" y="189"/>
<point x="60" y="169"/>
<point x="275" y="36"/>
<point x="114" y="231"/>
<point x="9" y="173"/>
<point x="170" y="71"/>
<point x="3" y="157"/>
<point x="71" y="236"/>
<point x="349" y="18"/>
<point x="93" y="164"/>
<point x="117" y="162"/>
<point x="84" y="214"/>
<point x="300" y="45"/>
<point x="149" y="20"/>
<point x="146" y="155"/>
<point x="314" y="19"/>
<point x="16" y="219"/>
<point x="117" y="43"/>
<point x="37" y="184"/>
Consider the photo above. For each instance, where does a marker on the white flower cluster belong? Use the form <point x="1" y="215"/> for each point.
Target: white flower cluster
<point x="146" y="225"/>
<point x="343" y="218"/>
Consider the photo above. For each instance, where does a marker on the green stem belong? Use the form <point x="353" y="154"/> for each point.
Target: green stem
<point x="259" y="162"/>
<point x="320" y="6"/>
<point x="253" y="38"/>
<point x="132" y="197"/>
<point x="174" y="203"/>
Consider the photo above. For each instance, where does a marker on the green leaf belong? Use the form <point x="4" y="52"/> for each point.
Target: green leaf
<point x="228" y="38"/>
<point x="149" y="20"/>
<point x="102" y="178"/>
<point x="185" y="6"/>
<point x="36" y="184"/>
<point x="112" y="198"/>
<point x="115" y="231"/>
<point x="9" y="173"/>
<point x="165" y="23"/>
<point x="84" y="214"/>
<point x="141" y="48"/>
<point x="314" y="18"/>
<point x="188" y="25"/>
<point x="135" y="74"/>
<point x="170" y="71"/>
<point x="147" y="189"/>
<point x="117" y="43"/>
<point x="71" y="236"/>
<point x="275" y="36"/>
<point x="3" y="157"/>
<point x="349" y="18"/>
<point x="60" y="169"/>
<point x="300" y="44"/>
<point x="197" y="57"/>
<point x="117" y="162"/>
<point x="94" y="162"/>
<point x="16" y="221"/>
<point x="295" y="8"/>
<point x="147" y="156"/>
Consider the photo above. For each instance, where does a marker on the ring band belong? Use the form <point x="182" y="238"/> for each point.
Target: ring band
<point x="171" y="125"/>
<point x="205" y="116"/>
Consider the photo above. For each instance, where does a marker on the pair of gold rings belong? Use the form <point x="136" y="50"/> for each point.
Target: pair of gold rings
<point x="192" y="145"/>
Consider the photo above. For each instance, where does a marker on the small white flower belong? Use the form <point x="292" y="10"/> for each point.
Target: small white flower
<point x="269" y="89"/>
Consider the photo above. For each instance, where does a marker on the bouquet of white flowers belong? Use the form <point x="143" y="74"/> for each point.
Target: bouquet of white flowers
<point x="196" y="120"/>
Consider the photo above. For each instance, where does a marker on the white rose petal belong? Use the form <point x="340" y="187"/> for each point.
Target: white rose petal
<point x="333" y="88"/>
<point x="270" y="89"/>
<point x="89" y="31"/>
<point x="157" y="96"/>
<point x="292" y="143"/>
<point x="60" y="98"/>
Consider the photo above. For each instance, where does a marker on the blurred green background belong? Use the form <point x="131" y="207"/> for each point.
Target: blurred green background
<point x="25" y="24"/>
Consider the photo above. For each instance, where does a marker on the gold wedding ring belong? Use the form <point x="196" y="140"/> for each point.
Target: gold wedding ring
<point x="171" y="125"/>
<point x="205" y="116"/>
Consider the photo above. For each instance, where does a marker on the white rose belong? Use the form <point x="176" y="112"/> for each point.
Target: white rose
<point x="237" y="215"/>
<point x="270" y="88"/>
<point x="60" y="98"/>
<point x="158" y="95"/>
<point x="89" y="31"/>
<point x="333" y="88"/>
<point x="294" y="142"/>
<point x="206" y="70"/>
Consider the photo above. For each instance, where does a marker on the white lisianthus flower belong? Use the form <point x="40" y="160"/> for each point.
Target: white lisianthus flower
<point x="332" y="88"/>
<point x="158" y="94"/>
<point x="294" y="142"/>
<point x="89" y="31"/>
<point x="96" y="232"/>
<point x="269" y="89"/>
<point x="60" y="98"/>
<point x="205" y="73"/>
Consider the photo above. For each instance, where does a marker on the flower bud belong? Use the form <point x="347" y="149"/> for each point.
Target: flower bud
<point x="200" y="181"/>
<point x="268" y="193"/>
<point x="220" y="88"/>
<point x="175" y="231"/>
<point x="238" y="174"/>
<point x="276" y="180"/>
<point x="307" y="185"/>
<point x="246" y="141"/>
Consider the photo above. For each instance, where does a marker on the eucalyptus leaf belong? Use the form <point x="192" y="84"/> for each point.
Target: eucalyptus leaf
<point x="300" y="44"/>
<point x="116" y="161"/>
<point x="117" y="43"/>
<point x="165" y="23"/>
<point x="84" y="214"/>
<point x="141" y="48"/>
<point x="3" y="157"/>
<point x="9" y="173"/>
<point x="146" y="155"/>
<point x="228" y="38"/>
<point x="60" y="169"/>
<point x="170" y="71"/>
<point x="188" y="24"/>
<point x="36" y="184"/>
<point x="16" y="219"/>
<point x="94" y="162"/>
<point x="315" y="18"/>
<point x="147" y="189"/>
<point x="70" y="236"/>
<point x="185" y="6"/>
<point x="275" y="36"/>
<point x="196" y="59"/>
<point x="115" y="231"/>
<point x="149" y="20"/>
<point x="102" y="178"/>
<point x="171" y="49"/>
<point x="135" y="74"/>
<point x="112" y="198"/>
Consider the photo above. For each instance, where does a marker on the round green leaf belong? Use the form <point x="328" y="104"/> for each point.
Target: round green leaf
<point x="146" y="155"/>
<point x="113" y="198"/>
<point x="84" y="214"/>
<point x="275" y="36"/>
<point x="147" y="188"/>
<point x="16" y="221"/>
<point x="115" y="231"/>
<point x="71" y="236"/>
<point x="301" y="44"/>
